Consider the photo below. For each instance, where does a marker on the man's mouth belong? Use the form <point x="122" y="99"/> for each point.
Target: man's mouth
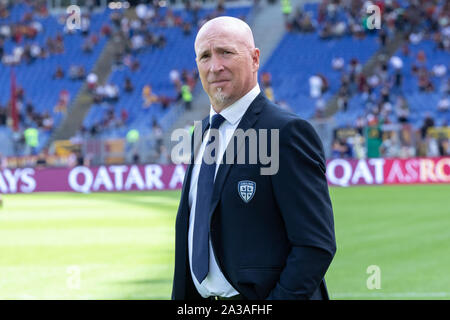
<point x="219" y="81"/>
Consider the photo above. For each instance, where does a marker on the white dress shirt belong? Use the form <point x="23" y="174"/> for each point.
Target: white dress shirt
<point x="215" y="283"/>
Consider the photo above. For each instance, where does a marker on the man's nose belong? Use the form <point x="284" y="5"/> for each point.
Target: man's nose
<point x="216" y="64"/>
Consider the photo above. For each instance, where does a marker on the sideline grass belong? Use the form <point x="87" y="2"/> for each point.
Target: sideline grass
<point x="121" y="245"/>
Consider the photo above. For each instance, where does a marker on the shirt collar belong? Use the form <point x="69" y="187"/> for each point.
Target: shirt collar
<point x="236" y="111"/>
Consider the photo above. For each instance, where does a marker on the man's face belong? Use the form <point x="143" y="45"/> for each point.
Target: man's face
<point x="227" y="65"/>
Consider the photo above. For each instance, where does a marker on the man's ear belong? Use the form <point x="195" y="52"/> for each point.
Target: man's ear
<point x="255" y="59"/>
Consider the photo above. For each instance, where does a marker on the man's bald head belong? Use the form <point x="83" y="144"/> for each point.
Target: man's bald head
<point x="227" y="60"/>
<point x="240" y="30"/>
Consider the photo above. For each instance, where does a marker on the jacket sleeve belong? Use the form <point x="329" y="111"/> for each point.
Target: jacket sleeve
<point x="301" y="192"/>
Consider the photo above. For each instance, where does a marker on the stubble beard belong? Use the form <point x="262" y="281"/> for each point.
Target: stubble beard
<point x="220" y="98"/>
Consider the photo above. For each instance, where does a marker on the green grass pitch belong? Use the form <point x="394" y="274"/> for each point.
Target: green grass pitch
<point x="121" y="245"/>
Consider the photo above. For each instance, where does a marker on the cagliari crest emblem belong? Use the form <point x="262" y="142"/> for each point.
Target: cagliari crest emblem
<point x="246" y="189"/>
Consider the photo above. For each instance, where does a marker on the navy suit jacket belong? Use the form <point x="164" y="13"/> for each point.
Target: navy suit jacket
<point x="280" y="244"/>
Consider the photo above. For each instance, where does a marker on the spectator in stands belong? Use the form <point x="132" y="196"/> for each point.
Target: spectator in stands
<point x="59" y="73"/>
<point x="362" y="82"/>
<point x="165" y="101"/>
<point x="137" y="43"/>
<point x="405" y="50"/>
<point x="110" y="93"/>
<point x="128" y="86"/>
<point x="325" y="85"/>
<point x="315" y="86"/>
<point x="4" y="12"/>
<point x="397" y="63"/>
<point x="266" y="79"/>
<point x="174" y="76"/>
<point x="131" y="62"/>
<point x="187" y="28"/>
<point x="161" y="41"/>
<point x="58" y="44"/>
<point x="443" y="104"/>
<point x="383" y="73"/>
<point x="110" y="121"/>
<point x="220" y="8"/>
<point x="382" y="36"/>
<point x="85" y="23"/>
<point x="444" y="146"/>
<point x="371" y="119"/>
<point x="141" y="11"/>
<point x="390" y="147"/>
<point x="132" y="141"/>
<point x="92" y="80"/>
<point x="163" y="155"/>
<point x="424" y="81"/>
<point x="186" y="95"/>
<point x="80" y="160"/>
<point x="337" y="63"/>
<point x="77" y="72"/>
<point x="359" y="124"/>
<point x="88" y="45"/>
<point x="123" y="116"/>
<point x="189" y="78"/>
<point x="32" y="140"/>
<point x="340" y="149"/>
<point x="106" y="30"/>
<point x="427" y="123"/>
<point x="136" y="158"/>
<point x="2" y="50"/>
<point x="28" y="119"/>
<point x="445" y="87"/>
<point x="41" y="161"/>
<point x="432" y="146"/>
<point x="157" y="134"/>
<point x="358" y="144"/>
<point x="325" y="32"/>
<point x="268" y="91"/>
<point x="47" y="121"/>
<point x="421" y="58"/>
<point x="266" y="83"/>
<point x="99" y="94"/>
<point x="401" y="109"/>
<point x="301" y="22"/>
<point x="63" y="102"/>
<point x="439" y="70"/>
<point x="342" y="100"/>
<point x="148" y="96"/>
<point x="3" y="116"/>
<point x="286" y="9"/>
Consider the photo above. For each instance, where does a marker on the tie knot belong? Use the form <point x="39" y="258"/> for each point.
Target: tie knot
<point x="216" y="121"/>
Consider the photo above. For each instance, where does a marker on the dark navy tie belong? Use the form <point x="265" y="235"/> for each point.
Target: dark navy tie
<point x="205" y="186"/>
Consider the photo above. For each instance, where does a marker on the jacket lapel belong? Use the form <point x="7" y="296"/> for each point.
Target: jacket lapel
<point x="195" y="145"/>
<point x="247" y="122"/>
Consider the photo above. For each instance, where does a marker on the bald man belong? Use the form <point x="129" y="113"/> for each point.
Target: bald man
<point x="242" y="234"/>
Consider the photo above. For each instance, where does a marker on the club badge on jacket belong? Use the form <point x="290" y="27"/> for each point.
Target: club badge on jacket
<point x="246" y="189"/>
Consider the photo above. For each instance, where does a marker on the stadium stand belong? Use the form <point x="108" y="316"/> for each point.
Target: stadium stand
<point x="291" y="64"/>
<point x="156" y="66"/>
<point x="331" y="65"/>
<point x="410" y="87"/>
<point x="41" y="94"/>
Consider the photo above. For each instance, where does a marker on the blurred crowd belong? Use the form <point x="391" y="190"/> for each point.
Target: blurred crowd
<point x="28" y="42"/>
<point x="386" y="119"/>
<point x="336" y="18"/>
<point x="382" y="92"/>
